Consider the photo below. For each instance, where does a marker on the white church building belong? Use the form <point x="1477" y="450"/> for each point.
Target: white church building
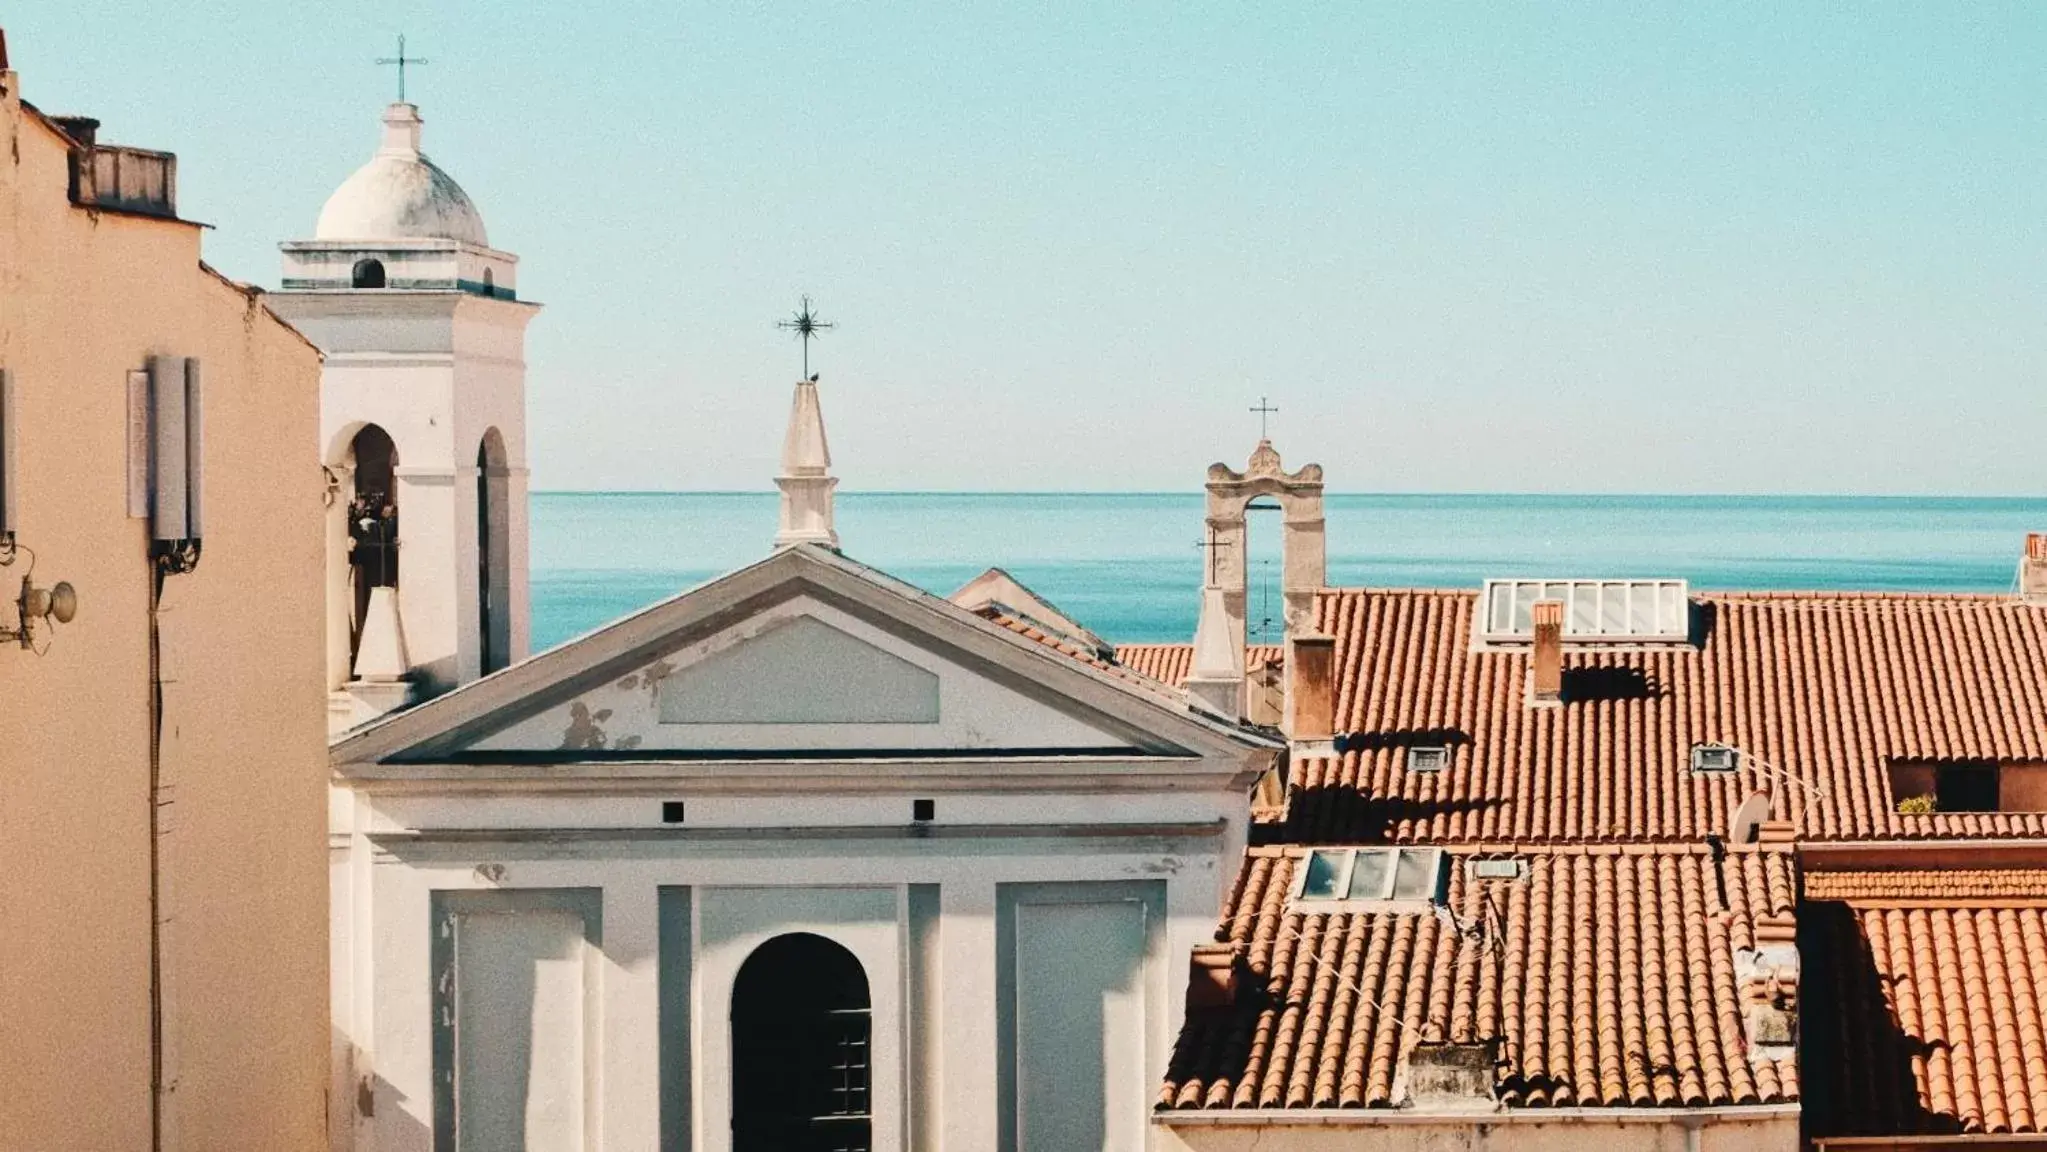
<point x="803" y="858"/>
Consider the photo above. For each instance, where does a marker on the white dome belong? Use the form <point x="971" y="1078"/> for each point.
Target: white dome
<point x="400" y="194"/>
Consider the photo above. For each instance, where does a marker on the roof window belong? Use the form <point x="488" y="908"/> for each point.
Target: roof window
<point x="1714" y="758"/>
<point x="1365" y="879"/>
<point x="1600" y="611"/>
<point x="1428" y="758"/>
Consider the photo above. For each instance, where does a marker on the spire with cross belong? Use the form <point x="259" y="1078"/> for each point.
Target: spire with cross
<point x="1264" y="408"/>
<point x="401" y="60"/>
<point x="807" y="326"/>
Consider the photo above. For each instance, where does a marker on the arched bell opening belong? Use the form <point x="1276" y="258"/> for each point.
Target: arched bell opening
<point x="372" y="524"/>
<point x="493" y="554"/>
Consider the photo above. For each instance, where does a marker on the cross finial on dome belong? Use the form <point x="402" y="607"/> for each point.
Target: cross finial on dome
<point x="401" y="60"/>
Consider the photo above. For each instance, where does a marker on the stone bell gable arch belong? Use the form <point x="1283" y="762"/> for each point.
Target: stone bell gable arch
<point x="1217" y="678"/>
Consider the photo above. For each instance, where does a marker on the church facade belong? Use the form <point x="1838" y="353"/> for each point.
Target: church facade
<point x="802" y="858"/>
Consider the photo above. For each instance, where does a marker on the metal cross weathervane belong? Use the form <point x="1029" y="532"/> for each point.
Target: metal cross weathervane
<point x="807" y="326"/>
<point x="1264" y="409"/>
<point x="401" y="60"/>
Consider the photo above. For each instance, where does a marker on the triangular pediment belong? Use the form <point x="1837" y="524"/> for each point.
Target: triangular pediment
<point x="806" y="655"/>
<point x="800" y="670"/>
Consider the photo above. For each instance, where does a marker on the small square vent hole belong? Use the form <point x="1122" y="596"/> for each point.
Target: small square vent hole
<point x="1428" y="758"/>
<point x="1714" y="758"/>
<point x="1511" y="868"/>
<point x="921" y="810"/>
<point x="671" y="811"/>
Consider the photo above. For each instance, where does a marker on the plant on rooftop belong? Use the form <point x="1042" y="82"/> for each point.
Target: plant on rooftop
<point x="1918" y="806"/>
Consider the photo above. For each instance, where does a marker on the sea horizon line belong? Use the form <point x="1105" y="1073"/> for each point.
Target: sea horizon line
<point x="1375" y="495"/>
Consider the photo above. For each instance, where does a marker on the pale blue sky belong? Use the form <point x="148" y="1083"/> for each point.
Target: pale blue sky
<point x="1514" y="247"/>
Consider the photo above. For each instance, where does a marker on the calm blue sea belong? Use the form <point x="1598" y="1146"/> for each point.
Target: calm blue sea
<point x="1127" y="565"/>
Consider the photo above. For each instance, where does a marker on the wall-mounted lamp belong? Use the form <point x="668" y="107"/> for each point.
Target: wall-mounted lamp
<point x="54" y="605"/>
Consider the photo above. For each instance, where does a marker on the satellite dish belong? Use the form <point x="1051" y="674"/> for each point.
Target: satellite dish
<point x="1746" y="827"/>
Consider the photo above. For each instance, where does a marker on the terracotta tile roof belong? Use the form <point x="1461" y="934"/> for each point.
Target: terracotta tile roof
<point x="1930" y="1019"/>
<point x="1608" y="980"/>
<point x="1941" y="885"/>
<point x="1066" y="647"/>
<point x="1051" y="640"/>
<point x="1171" y="663"/>
<point x="1829" y="687"/>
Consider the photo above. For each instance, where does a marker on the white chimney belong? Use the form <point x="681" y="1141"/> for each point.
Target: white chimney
<point x="806" y="480"/>
<point x="2033" y="568"/>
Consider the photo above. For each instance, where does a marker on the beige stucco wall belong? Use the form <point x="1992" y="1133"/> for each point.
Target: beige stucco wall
<point x="84" y="298"/>
<point x="1776" y="1132"/>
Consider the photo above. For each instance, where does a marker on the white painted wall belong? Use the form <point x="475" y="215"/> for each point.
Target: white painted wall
<point x="741" y="893"/>
<point x="519" y="980"/>
<point x="1080" y="975"/>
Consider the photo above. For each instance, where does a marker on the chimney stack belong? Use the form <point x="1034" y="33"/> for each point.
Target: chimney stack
<point x="83" y="130"/>
<point x="1311" y="687"/>
<point x="1546" y="657"/>
<point x="2033" y="568"/>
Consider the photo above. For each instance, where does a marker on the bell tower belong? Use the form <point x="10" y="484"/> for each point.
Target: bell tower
<point x="423" y="429"/>
<point x="1217" y="677"/>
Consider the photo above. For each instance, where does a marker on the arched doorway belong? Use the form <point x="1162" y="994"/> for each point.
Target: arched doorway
<point x="367" y="273"/>
<point x="493" y="555"/>
<point x="800" y="1049"/>
<point x="372" y="525"/>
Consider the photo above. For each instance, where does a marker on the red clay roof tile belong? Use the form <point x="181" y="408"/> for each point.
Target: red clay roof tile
<point x="1173" y="663"/>
<point x="1829" y="688"/>
<point x="1929" y="1021"/>
<point x="1606" y="978"/>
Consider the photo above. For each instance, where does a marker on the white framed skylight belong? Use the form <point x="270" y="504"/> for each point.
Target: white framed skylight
<point x="1594" y="610"/>
<point x="1369" y="879"/>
